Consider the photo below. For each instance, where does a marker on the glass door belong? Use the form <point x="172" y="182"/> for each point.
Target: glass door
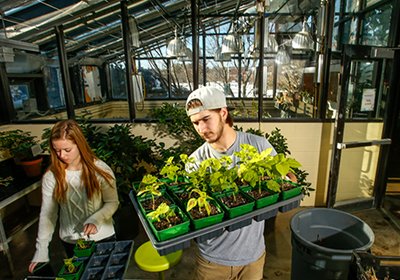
<point x="358" y="148"/>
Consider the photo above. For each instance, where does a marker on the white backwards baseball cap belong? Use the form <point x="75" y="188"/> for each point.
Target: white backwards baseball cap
<point x="210" y="97"/>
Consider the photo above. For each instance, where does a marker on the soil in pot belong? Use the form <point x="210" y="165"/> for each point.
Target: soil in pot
<point x="285" y="185"/>
<point x="164" y="223"/>
<point x="151" y="205"/>
<point x="185" y="195"/>
<point x="197" y="213"/>
<point x="257" y="194"/>
<point x="234" y="201"/>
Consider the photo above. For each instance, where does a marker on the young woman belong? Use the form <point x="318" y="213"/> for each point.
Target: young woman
<point x="77" y="187"/>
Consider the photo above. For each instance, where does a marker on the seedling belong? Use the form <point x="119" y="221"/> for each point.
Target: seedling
<point x="163" y="211"/>
<point x="201" y="202"/>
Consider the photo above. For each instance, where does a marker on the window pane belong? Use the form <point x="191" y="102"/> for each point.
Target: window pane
<point x="295" y="92"/>
<point x="181" y="78"/>
<point x="376" y="25"/>
<point x="155" y="75"/>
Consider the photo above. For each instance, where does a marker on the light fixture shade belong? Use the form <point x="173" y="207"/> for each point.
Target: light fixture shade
<point x="134" y="33"/>
<point x="186" y="55"/>
<point x="282" y="57"/>
<point x="303" y="39"/>
<point x="231" y="44"/>
<point x="271" y="45"/>
<point x="219" y="56"/>
<point x="176" y="48"/>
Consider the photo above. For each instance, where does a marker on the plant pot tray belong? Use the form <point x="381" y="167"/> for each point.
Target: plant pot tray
<point x="109" y="260"/>
<point x="183" y="241"/>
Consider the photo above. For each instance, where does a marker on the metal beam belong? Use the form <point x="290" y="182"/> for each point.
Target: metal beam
<point x="195" y="44"/>
<point x="128" y="61"/>
<point x="15" y="44"/>
<point x="62" y="55"/>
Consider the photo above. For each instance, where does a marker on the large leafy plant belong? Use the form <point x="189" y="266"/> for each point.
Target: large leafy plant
<point x="19" y="143"/>
<point x="172" y="121"/>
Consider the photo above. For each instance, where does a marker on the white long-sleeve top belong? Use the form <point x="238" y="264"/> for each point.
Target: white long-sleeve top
<point x="76" y="211"/>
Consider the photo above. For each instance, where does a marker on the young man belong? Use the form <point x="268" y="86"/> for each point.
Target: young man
<point x="239" y="254"/>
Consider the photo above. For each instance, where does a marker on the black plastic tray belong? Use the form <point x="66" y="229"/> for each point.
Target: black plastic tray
<point x="110" y="260"/>
<point x="183" y="241"/>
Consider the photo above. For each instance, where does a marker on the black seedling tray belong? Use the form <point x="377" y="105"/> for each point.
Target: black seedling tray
<point x="183" y="241"/>
<point x="109" y="260"/>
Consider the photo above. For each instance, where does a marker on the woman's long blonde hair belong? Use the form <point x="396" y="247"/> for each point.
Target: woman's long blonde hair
<point x="70" y="130"/>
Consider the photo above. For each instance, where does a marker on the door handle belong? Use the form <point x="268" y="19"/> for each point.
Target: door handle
<point x="356" y="144"/>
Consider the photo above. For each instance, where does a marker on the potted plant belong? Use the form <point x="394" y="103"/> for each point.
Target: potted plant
<point x="279" y="142"/>
<point x="255" y="175"/>
<point x="167" y="222"/>
<point x="71" y="270"/>
<point x="174" y="172"/>
<point x="203" y="210"/>
<point x="263" y="173"/>
<point x="84" y="248"/>
<point x="24" y="148"/>
<point x="221" y="178"/>
<point x="150" y="195"/>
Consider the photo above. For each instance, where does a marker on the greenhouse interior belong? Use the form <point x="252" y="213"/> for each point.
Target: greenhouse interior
<point x="318" y="79"/>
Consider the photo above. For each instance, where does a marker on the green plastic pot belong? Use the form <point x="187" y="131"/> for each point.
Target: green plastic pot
<point x="146" y="197"/>
<point x="174" y="231"/>
<point x="63" y="273"/>
<point x="291" y="193"/>
<point x="238" y="210"/>
<point x="207" y="221"/>
<point x="87" y="252"/>
<point x="263" y="201"/>
<point x="170" y="183"/>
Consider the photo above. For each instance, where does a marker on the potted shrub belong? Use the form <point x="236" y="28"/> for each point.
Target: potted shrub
<point x="203" y="210"/>
<point x="150" y="194"/>
<point x="84" y="248"/>
<point x="71" y="270"/>
<point x="167" y="222"/>
<point x="24" y="148"/>
<point x="221" y="178"/>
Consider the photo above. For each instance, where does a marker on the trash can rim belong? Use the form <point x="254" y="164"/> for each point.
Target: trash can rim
<point x="301" y="239"/>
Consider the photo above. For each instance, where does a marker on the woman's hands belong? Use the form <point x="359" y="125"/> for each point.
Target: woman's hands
<point x="32" y="266"/>
<point x="89" y="229"/>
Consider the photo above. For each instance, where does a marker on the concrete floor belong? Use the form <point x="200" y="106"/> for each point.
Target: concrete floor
<point x="278" y="241"/>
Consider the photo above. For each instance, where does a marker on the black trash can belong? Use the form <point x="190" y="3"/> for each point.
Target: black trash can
<point x="323" y="241"/>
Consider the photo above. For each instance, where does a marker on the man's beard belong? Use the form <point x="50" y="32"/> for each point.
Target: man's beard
<point x="215" y="135"/>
